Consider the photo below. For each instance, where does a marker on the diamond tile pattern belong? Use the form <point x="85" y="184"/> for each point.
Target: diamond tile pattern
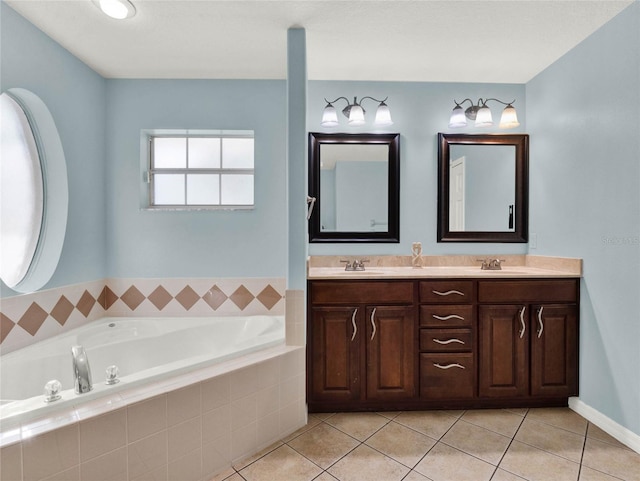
<point x="336" y="447"/>
<point x="37" y="306"/>
<point x="132" y="298"/>
<point x="33" y="319"/>
<point x="187" y="297"/>
<point x="62" y="310"/>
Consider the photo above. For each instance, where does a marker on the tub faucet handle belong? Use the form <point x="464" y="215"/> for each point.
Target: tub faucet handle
<point x="52" y="391"/>
<point x="112" y="375"/>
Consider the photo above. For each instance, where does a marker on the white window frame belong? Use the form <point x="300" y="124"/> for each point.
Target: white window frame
<point x="151" y="171"/>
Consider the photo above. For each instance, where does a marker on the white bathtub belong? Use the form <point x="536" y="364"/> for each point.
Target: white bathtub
<point x="144" y="349"/>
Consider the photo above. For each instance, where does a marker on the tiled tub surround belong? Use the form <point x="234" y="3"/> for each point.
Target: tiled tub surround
<point x="30" y="318"/>
<point x="186" y="428"/>
<point x="143" y="349"/>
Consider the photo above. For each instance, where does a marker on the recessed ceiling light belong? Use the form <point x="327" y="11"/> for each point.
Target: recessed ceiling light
<point x="119" y="9"/>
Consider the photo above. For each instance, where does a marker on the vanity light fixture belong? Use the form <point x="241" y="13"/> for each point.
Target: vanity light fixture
<point x="355" y="113"/>
<point x="118" y="9"/>
<point x="481" y="114"/>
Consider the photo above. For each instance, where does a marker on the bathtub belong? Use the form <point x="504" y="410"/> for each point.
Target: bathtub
<point x="144" y="350"/>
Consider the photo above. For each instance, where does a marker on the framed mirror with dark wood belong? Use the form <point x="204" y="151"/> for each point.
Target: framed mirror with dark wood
<point x="483" y="187"/>
<point x="355" y="180"/>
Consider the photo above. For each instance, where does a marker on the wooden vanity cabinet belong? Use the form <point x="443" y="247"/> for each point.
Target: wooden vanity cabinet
<point x="441" y="343"/>
<point x="528" y="349"/>
<point x="361" y="344"/>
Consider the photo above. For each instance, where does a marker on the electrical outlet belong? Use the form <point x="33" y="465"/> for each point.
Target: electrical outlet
<point x="533" y="241"/>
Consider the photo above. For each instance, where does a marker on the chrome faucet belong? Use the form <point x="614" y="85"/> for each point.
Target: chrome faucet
<point x="81" y="370"/>
<point x="355" y="265"/>
<point x="491" y="264"/>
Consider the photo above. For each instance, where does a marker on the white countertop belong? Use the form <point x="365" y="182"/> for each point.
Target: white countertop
<point x="544" y="268"/>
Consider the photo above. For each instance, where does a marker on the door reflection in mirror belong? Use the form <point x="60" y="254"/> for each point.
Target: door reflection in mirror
<point x="482" y="188"/>
<point x="354" y="177"/>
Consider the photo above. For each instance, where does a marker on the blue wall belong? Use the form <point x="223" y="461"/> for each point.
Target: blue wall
<point x="583" y="116"/>
<point x="76" y="97"/>
<point x="222" y="243"/>
<point x="419" y="110"/>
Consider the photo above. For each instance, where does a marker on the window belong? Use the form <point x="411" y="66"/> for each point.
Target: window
<point x="202" y="171"/>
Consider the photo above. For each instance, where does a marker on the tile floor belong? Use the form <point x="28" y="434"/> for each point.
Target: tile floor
<point x="547" y="444"/>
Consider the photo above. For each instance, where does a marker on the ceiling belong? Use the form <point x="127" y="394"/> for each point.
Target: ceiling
<point x="397" y="40"/>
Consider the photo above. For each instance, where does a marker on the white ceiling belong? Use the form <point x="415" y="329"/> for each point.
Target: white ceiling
<point x="421" y="40"/>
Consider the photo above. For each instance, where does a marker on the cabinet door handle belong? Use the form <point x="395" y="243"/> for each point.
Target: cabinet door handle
<point x="353" y="323"/>
<point x="373" y="323"/>
<point x="448" y="293"/>
<point x="448" y="341"/>
<point x="524" y="326"/>
<point x="449" y="366"/>
<point x="540" y="321"/>
<point x="446" y="318"/>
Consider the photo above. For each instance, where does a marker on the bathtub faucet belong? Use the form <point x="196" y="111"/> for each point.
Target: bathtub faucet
<point x="81" y="370"/>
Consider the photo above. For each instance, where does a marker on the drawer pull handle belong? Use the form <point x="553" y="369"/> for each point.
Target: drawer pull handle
<point x="448" y="341"/>
<point x="540" y="321"/>
<point x="353" y="323"/>
<point x="373" y="323"/>
<point x="446" y="318"/>
<point x="524" y="326"/>
<point x="448" y="293"/>
<point x="449" y="366"/>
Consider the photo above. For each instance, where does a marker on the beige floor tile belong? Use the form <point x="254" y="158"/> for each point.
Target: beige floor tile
<point x="323" y="445"/>
<point x="251" y="459"/>
<point x="519" y="411"/>
<point x="312" y="422"/>
<point x="595" y="432"/>
<point x="537" y="465"/>
<point x="415" y="476"/>
<point x="389" y="414"/>
<point x="283" y="463"/>
<point x="588" y="474"/>
<point x="477" y="441"/>
<point x="358" y="425"/>
<point x="325" y="477"/>
<point x="502" y="475"/>
<point x="444" y="463"/>
<point x="563" y="418"/>
<point x="497" y="420"/>
<point x="551" y="439"/>
<point x="618" y="462"/>
<point x="367" y="464"/>
<point x="226" y="475"/>
<point x="432" y="423"/>
<point x="322" y="416"/>
<point x="401" y="443"/>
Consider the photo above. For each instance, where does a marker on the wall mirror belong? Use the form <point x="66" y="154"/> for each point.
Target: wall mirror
<point x="483" y="187"/>
<point x="33" y="192"/>
<point x="355" y="179"/>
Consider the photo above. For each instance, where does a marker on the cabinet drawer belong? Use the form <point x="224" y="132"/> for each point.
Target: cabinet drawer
<point x="446" y="340"/>
<point x="446" y="316"/>
<point x="447" y="375"/>
<point x="562" y="290"/>
<point x="339" y="292"/>
<point x="449" y="292"/>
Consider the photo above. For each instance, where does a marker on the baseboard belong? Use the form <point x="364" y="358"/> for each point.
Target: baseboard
<point x="608" y="425"/>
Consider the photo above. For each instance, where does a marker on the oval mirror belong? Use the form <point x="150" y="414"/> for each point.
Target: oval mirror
<point x="33" y="192"/>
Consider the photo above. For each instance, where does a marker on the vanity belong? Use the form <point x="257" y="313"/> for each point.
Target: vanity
<point x="447" y="335"/>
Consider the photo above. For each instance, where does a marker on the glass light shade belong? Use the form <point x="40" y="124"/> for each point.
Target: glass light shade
<point x="509" y="118"/>
<point x="329" y="116"/>
<point x="356" y="115"/>
<point x="118" y="9"/>
<point x="458" y="118"/>
<point x="484" y="118"/>
<point x="383" y="115"/>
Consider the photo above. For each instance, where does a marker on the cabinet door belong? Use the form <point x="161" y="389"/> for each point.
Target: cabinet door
<point x="391" y="352"/>
<point x="554" y="350"/>
<point x="334" y="354"/>
<point x="503" y="362"/>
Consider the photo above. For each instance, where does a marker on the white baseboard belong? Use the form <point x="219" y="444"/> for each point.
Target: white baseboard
<point x="608" y="425"/>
